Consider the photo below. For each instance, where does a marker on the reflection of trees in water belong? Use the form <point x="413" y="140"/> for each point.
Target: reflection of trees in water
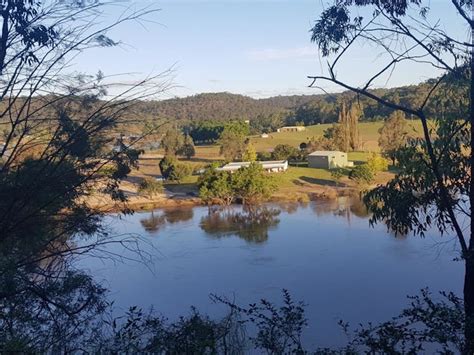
<point x="344" y="206"/>
<point x="291" y="207"/>
<point x="156" y="220"/>
<point x="251" y="224"/>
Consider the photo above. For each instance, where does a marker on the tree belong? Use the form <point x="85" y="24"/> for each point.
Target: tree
<point x="166" y="165"/>
<point x="376" y="163"/>
<point x="172" y="169"/>
<point x="58" y="135"/>
<point x="250" y="153"/>
<point x="252" y="184"/>
<point x="232" y="140"/>
<point x="284" y="152"/>
<point x="439" y="166"/>
<point x="216" y="187"/>
<point x="187" y="149"/>
<point x="393" y="135"/>
<point x="172" y="141"/>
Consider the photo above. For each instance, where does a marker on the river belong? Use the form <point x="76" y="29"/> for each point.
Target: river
<point x="325" y="253"/>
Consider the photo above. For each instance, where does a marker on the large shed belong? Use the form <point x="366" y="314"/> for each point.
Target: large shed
<point x="328" y="159"/>
<point x="268" y="166"/>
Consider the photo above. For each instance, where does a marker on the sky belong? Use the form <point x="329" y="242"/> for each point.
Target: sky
<point x="258" y="48"/>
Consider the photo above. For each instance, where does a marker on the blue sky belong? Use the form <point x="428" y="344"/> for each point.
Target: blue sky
<point x="258" y="48"/>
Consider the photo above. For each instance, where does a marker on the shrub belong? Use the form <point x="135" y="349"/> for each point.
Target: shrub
<point x="252" y="184"/>
<point x="284" y="152"/>
<point x="362" y="174"/>
<point x="149" y="187"/>
<point x="179" y="171"/>
<point x="165" y="165"/>
<point x="377" y="163"/>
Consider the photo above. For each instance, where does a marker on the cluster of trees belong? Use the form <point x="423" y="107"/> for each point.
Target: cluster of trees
<point x="174" y="142"/>
<point x="250" y="185"/>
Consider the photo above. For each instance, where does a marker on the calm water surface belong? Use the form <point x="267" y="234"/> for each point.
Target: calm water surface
<point x="324" y="253"/>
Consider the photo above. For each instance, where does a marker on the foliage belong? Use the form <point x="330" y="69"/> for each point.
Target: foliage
<point x="165" y="165"/>
<point x="393" y="134"/>
<point x="250" y="154"/>
<point x="150" y="187"/>
<point x="268" y="123"/>
<point x="205" y="131"/>
<point x="187" y="149"/>
<point x="178" y="171"/>
<point x="362" y="175"/>
<point x="172" y="141"/>
<point x="284" y="152"/>
<point x="252" y="184"/>
<point x="376" y="163"/>
<point x="232" y="140"/>
<point x="216" y="186"/>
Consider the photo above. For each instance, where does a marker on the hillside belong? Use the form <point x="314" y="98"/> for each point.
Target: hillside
<point x="306" y="109"/>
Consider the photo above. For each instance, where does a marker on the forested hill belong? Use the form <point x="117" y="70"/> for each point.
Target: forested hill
<point x="307" y="109"/>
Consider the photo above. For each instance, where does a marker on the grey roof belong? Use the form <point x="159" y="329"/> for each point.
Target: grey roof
<point x="325" y="152"/>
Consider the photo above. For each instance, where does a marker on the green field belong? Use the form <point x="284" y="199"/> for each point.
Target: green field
<point x="368" y="133"/>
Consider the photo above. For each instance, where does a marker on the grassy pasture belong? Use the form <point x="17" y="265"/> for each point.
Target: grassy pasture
<point x="368" y="133"/>
<point x="296" y="178"/>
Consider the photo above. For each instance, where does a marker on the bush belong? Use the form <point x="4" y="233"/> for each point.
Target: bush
<point x="362" y="174"/>
<point x="252" y="184"/>
<point x="173" y="170"/>
<point x="377" y="163"/>
<point x="149" y="187"/>
<point x="284" y="152"/>
<point x="165" y="165"/>
<point x="179" y="171"/>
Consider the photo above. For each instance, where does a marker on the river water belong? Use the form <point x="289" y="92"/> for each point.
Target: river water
<point x="325" y="253"/>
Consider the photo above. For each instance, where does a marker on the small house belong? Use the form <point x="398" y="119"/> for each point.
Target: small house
<point x="328" y="159"/>
<point x="268" y="166"/>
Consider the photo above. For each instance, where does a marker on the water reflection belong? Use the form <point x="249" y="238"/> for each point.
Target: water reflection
<point x="251" y="223"/>
<point x="343" y="206"/>
<point x="158" y="219"/>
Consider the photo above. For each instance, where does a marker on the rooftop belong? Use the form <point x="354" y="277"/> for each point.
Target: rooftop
<point x="325" y="152"/>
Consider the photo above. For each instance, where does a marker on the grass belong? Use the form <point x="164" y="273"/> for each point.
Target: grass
<point x="298" y="176"/>
<point x="368" y="133"/>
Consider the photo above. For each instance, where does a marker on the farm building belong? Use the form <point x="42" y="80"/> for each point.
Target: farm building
<point x="327" y="159"/>
<point x="269" y="166"/>
<point x="292" y="129"/>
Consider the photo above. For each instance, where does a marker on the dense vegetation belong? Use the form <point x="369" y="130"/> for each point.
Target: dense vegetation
<point x="277" y="111"/>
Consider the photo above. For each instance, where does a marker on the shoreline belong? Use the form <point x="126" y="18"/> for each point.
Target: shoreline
<point x="139" y="203"/>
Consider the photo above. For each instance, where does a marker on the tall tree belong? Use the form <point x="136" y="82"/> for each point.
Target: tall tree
<point x="172" y="141"/>
<point x="58" y="137"/>
<point x="440" y="166"/>
<point x="393" y="135"/>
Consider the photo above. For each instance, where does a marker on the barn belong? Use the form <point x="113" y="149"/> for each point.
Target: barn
<point x="328" y="159"/>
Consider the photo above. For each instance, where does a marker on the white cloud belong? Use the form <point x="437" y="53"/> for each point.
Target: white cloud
<point x="268" y="54"/>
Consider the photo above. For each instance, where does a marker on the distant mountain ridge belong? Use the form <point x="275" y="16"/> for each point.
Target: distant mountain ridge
<point x="308" y="109"/>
